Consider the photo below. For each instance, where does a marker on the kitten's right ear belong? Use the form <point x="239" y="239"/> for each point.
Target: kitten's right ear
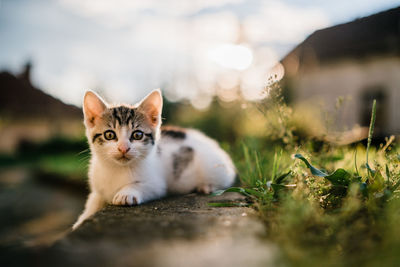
<point x="93" y="108"/>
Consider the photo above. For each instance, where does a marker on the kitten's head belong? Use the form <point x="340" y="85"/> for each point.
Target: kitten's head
<point x="122" y="134"/>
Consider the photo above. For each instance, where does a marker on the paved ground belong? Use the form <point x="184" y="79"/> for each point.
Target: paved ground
<point x="35" y="213"/>
<point x="176" y="231"/>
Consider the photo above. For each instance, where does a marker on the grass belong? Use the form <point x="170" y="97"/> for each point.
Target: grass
<point x="67" y="165"/>
<point x="325" y="206"/>
<point x="57" y="157"/>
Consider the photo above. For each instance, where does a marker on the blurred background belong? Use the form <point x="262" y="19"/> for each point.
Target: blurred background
<point x="222" y="65"/>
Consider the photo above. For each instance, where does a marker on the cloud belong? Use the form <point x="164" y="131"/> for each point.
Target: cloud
<point x="121" y="13"/>
<point x="278" y="22"/>
<point x="126" y="47"/>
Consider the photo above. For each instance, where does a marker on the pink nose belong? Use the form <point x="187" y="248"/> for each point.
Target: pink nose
<point x="123" y="149"/>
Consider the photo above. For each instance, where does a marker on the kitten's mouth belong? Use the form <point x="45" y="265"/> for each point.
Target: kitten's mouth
<point x="124" y="159"/>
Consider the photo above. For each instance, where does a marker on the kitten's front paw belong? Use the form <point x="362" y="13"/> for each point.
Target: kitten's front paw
<point x="124" y="198"/>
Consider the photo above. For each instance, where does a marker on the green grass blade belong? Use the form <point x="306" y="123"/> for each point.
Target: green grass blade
<point x="370" y="170"/>
<point x="228" y="204"/>
<point x="371" y="129"/>
<point x="355" y="162"/>
<point x="258" y="166"/>
<point x="250" y="176"/>
<point x="282" y="177"/>
<point x="313" y="170"/>
<point x="274" y="167"/>
<point x="395" y="186"/>
<point x="244" y="191"/>
<point x="387" y="172"/>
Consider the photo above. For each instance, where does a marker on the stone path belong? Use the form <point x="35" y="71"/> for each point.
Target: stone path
<point x="176" y="231"/>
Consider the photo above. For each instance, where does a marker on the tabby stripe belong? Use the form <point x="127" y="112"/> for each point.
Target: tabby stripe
<point x="96" y="136"/>
<point x="116" y="117"/>
<point x="130" y="117"/>
<point x="124" y="114"/>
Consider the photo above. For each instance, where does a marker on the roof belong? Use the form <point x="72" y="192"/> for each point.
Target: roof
<point x="375" y="35"/>
<point x="20" y="99"/>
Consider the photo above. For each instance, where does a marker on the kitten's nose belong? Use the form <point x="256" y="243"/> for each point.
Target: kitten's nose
<point x="123" y="149"/>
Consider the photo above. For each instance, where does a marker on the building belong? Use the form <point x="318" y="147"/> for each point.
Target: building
<point x="358" y="61"/>
<point x="29" y="114"/>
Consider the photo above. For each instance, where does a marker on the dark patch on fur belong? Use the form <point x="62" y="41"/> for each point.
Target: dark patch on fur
<point x="173" y="132"/>
<point x="149" y="137"/>
<point x="91" y="120"/>
<point x="100" y="140"/>
<point x="181" y="159"/>
<point x="159" y="150"/>
<point x="96" y="136"/>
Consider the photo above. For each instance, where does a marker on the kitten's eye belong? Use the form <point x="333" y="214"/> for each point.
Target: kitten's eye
<point x="137" y="135"/>
<point x="109" y="135"/>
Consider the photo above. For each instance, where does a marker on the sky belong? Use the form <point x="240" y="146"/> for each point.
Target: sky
<point x="192" y="50"/>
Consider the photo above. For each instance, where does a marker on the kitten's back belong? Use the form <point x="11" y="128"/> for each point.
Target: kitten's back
<point x="193" y="161"/>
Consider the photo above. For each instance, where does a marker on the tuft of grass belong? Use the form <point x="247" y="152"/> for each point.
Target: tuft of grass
<point x="341" y="214"/>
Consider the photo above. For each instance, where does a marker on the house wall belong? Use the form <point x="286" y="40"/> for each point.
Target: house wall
<point x="12" y="132"/>
<point x="323" y="85"/>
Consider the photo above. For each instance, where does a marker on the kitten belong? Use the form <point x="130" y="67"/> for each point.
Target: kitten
<point x="134" y="160"/>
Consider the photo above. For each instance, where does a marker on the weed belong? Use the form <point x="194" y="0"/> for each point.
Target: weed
<point x="342" y="214"/>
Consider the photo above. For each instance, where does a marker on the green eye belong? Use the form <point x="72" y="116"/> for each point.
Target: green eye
<point x="109" y="135"/>
<point x="137" y="135"/>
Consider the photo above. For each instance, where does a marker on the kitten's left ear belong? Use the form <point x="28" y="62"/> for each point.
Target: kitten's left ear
<point x="152" y="106"/>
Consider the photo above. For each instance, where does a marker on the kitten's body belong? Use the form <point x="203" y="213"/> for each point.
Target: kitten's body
<point x="193" y="161"/>
<point x="126" y="170"/>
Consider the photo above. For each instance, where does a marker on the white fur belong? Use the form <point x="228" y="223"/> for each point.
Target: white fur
<point x="211" y="168"/>
<point x="149" y="175"/>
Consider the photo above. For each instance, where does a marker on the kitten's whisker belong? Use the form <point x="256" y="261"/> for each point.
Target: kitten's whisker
<point x="83" y="151"/>
<point x="82" y="159"/>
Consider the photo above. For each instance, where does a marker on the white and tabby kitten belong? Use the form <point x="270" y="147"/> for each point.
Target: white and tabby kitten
<point x="134" y="160"/>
